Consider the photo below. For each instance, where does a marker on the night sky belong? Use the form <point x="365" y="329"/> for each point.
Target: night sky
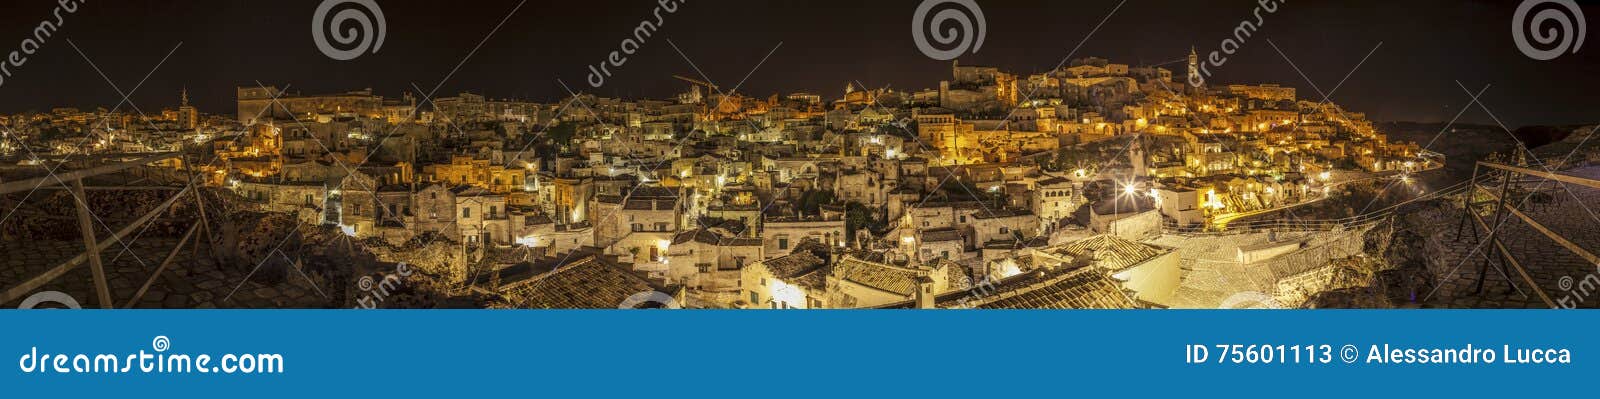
<point x="1427" y="47"/>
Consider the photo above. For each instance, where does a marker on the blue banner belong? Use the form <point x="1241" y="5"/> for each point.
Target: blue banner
<point x="303" y="353"/>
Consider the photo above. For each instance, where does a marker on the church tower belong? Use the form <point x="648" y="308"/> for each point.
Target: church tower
<point x="1195" y="80"/>
<point x="188" y="117"/>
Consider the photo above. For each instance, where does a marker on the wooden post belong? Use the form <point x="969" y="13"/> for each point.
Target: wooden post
<point x="86" y="226"/>
<point x="1494" y="230"/>
<point x="1466" y="205"/>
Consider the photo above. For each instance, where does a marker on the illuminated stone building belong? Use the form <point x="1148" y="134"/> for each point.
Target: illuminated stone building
<point x="480" y="171"/>
<point x="270" y="102"/>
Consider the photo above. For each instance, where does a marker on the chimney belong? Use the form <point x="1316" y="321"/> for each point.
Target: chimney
<point x="924" y="296"/>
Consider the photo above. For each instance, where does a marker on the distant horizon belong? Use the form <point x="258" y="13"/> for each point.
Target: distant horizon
<point x="1424" y="60"/>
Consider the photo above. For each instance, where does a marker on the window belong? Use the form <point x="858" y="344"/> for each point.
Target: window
<point x="783" y="243"/>
<point x="1004" y="230"/>
<point x="963" y="218"/>
<point x="494" y="211"/>
<point x="755" y="297"/>
<point x="466" y="212"/>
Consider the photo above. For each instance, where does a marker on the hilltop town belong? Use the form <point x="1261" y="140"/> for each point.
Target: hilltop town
<point x="1095" y="185"/>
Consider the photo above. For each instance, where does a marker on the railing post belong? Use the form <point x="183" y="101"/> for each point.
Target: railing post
<point x="86" y="226"/>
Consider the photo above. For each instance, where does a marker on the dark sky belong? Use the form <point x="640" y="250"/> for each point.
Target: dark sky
<point x="1427" y="47"/>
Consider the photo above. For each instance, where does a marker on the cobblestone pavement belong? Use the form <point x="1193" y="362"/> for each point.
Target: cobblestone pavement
<point x="1547" y="262"/>
<point x="187" y="284"/>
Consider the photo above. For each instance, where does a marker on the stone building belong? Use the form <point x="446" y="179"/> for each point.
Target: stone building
<point x="782" y="234"/>
<point x="482" y="217"/>
<point x="1055" y="199"/>
<point x="270" y="102"/>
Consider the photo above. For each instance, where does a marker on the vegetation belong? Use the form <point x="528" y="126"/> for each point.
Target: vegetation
<point x="858" y="216"/>
<point x="812" y="200"/>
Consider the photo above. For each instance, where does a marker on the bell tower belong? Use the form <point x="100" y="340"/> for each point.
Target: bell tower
<point x="1195" y="80"/>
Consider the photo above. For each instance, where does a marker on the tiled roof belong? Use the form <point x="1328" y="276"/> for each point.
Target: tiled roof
<point x="941" y="234"/>
<point x="1053" y="180"/>
<point x="793" y="264"/>
<point x="876" y="275"/>
<point x="700" y="235"/>
<point x="1109" y="251"/>
<point x="1083" y="288"/>
<point x="1002" y="213"/>
<point x="584" y="284"/>
<point x="800" y="268"/>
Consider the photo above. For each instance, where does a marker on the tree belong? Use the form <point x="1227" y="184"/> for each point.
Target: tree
<point x="561" y="133"/>
<point x="811" y="202"/>
<point x="857" y="217"/>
